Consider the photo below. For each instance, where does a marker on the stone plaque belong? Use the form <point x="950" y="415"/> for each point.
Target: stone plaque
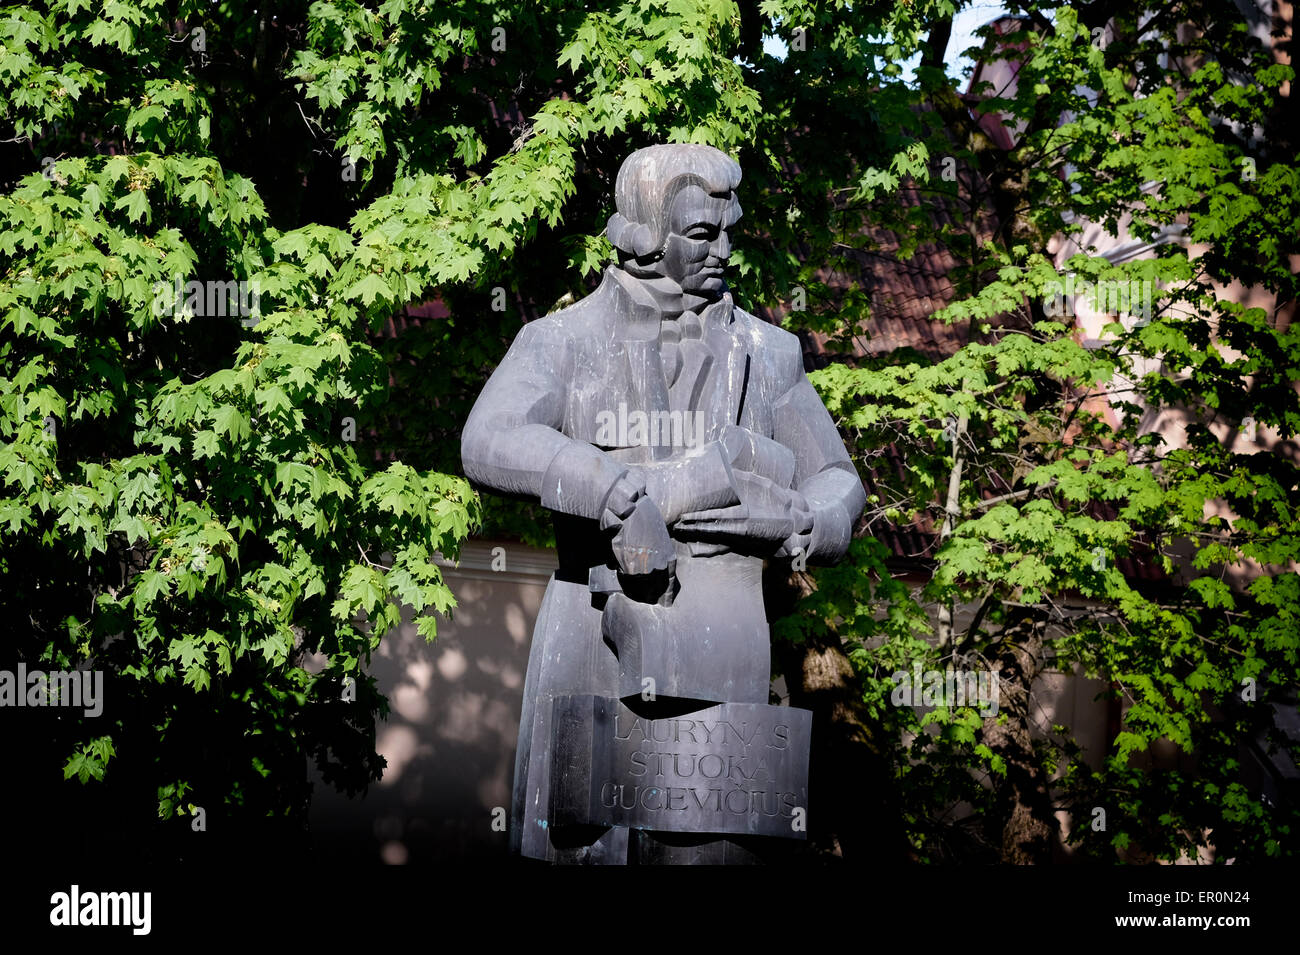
<point x="735" y="768"/>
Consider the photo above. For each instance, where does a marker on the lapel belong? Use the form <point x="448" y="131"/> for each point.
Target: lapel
<point x="723" y="390"/>
<point x="635" y="349"/>
<point x="715" y="370"/>
<point x="688" y="389"/>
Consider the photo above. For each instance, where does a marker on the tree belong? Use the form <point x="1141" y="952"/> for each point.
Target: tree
<point x="1031" y="455"/>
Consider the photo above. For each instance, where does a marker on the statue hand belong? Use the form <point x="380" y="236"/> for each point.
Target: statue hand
<point x="798" y="541"/>
<point x="642" y="546"/>
<point x="622" y="499"/>
<point x="767" y="513"/>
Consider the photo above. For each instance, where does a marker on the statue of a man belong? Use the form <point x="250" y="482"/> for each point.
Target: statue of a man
<point x="679" y="445"/>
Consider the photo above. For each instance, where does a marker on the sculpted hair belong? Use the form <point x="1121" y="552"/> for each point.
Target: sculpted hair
<point x="650" y="179"/>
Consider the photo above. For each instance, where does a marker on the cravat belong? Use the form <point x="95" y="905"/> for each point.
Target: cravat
<point x="672" y="331"/>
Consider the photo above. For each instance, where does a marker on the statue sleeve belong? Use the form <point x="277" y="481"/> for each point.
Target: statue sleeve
<point x="513" y="443"/>
<point x="824" y="474"/>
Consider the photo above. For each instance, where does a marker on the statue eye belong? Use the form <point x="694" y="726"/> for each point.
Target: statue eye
<point x="708" y="232"/>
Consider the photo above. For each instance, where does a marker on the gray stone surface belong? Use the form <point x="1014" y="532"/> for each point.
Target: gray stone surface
<point x="679" y="445"/>
<point x="737" y="768"/>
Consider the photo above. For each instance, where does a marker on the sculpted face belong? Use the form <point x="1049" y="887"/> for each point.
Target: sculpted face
<point x="675" y="206"/>
<point x="698" y="246"/>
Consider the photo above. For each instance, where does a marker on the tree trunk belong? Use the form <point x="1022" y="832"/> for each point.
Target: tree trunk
<point x="951" y="511"/>
<point x="1024" y="816"/>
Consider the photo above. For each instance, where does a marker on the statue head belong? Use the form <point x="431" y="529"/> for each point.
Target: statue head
<point x="675" y="205"/>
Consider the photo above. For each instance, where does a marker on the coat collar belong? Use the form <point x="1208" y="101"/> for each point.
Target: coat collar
<point x="717" y="366"/>
<point x="640" y="307"/>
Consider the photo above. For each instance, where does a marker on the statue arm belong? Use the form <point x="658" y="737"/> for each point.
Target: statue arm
<point x="512" y="442"/>
<point x="824" y="474"/>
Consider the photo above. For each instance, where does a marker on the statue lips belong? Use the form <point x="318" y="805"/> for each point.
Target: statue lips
<point x="707" y="281"/>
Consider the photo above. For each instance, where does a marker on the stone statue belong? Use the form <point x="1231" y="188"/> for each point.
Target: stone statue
<point x="679" y="445"/>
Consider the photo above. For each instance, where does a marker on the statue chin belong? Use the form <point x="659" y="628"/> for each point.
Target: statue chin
<point x="708" y="287"/>
<point x="705" y="287"/>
